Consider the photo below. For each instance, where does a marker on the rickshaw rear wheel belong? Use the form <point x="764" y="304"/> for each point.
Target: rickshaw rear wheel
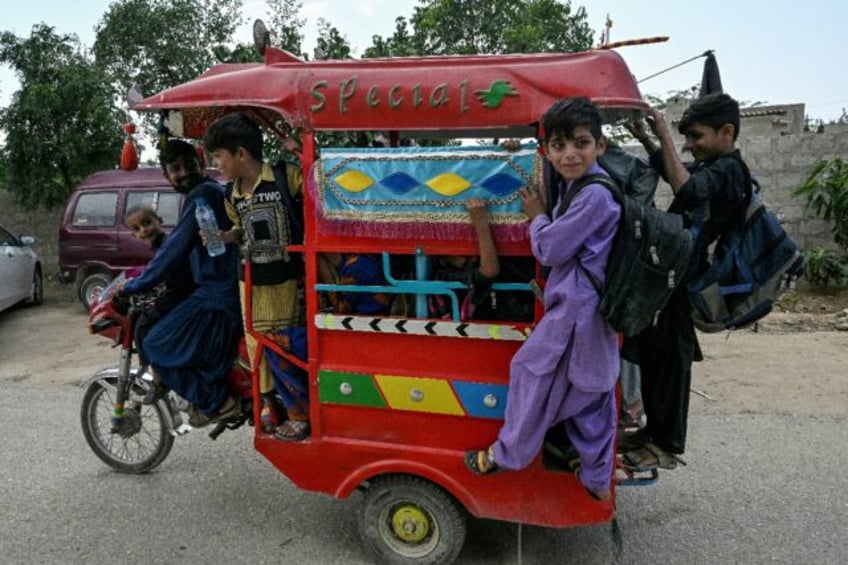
<point x="407" y="520"/>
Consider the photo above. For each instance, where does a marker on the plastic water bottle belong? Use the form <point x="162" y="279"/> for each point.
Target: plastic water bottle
<point x="209" y="226"/>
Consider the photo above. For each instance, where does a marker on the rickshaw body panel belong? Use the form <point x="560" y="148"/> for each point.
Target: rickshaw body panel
<point x="386" y="400"/>
<point x="418" y="93"/>
<point x="355" y="442"/>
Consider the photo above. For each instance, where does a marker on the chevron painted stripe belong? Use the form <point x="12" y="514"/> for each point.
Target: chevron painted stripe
<point x="420" y="327"/>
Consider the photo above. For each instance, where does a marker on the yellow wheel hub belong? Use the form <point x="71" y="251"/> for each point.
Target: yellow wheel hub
<point x="410" y="524"/>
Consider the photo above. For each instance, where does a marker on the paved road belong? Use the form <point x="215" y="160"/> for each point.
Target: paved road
<point x="759" y="488"/>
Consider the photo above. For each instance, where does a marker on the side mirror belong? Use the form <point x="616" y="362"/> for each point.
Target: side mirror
<point x="28" y="240"/>
<point x="261" y="37"/>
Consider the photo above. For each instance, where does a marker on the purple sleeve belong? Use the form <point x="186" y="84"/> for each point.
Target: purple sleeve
<point x="556" y="242"/>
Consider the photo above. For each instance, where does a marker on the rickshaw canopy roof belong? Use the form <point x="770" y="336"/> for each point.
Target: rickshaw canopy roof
<point x="478" y="92"/>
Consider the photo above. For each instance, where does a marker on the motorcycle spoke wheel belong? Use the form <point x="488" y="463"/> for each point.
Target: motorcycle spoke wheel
<point x="139" y="444"/>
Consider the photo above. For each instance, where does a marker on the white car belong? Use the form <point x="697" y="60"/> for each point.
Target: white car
<point x="20" y="270"/>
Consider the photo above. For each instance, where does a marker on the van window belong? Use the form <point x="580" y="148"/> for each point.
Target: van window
<point x="166" y="204"/>
<point x="95" y="210"/>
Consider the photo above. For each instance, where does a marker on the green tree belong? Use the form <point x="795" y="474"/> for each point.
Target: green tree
<point x="158" y="44"/>
<point x="61" y="124"/>
<point x="331" y="43"/>
<point x="402" y="43"/>
<point x="286" y="26"/>
<point x="241" y="53"/>
<point x="451" y="27"/>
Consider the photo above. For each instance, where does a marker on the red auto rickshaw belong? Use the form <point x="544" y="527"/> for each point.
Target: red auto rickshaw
<point x="397" y="400"/>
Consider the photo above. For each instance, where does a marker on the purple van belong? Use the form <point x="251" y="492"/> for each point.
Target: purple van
<point x="94" y="242"/>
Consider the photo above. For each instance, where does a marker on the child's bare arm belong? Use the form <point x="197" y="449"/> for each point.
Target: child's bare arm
<point x="231" y="236"/>
<point x="674" y="169"/>
<point x="638" y="130"/>
<point x="490" y="266"/>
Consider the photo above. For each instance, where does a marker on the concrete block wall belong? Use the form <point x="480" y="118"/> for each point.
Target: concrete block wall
<point x="41" y="223"/>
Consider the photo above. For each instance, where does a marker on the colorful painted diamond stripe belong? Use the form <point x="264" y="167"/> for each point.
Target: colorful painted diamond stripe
<point x="424" y="179"/>
<point x="415" y="394"/>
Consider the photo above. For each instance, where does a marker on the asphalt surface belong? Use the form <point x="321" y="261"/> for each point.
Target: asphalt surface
<point x="760" y="487"/>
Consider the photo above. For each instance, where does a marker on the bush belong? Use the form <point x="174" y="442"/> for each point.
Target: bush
<point x="824" y="266"/>
<point x="826" y="191"/>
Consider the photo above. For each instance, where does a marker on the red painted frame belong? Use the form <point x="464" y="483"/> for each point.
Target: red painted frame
<point x="353" y="444"/>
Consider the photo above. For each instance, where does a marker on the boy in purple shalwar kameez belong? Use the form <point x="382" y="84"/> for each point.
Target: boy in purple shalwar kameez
<point x="566" y="371"/>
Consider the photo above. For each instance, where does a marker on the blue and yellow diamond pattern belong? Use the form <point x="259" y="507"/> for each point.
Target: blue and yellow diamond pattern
<point x="425" y="179"/>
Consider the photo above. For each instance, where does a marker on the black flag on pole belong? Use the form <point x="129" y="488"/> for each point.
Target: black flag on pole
<point x="711" y="79"/>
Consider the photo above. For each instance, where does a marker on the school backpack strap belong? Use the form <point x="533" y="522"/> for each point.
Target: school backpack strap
<point x="583" y="182"/>
<point x="571" y="193"/>
<point x="294" y="207"/>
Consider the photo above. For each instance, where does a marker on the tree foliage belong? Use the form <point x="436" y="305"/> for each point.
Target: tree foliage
<point x="402" y="43"/>
<point x="465" y="27"/>
<point x="331" y="43"/>
<point x="61" y="123"/>
<point x="158" y="44"/>
<point x="286" y="25"/>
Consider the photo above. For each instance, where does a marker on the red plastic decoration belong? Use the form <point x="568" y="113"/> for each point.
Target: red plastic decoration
<point x="129" y="154"/>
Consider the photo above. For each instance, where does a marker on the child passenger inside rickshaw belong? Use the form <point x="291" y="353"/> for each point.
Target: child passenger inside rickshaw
<point x="260" y="203"/>
<point x="481" y="301"/>
<point x="353" y="269"/>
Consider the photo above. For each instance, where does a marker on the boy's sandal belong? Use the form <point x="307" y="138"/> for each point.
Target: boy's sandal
<point x="196" y="418"/>
<point x="292" y="430"/>
<point x="481" y="461"/>
<point x="650" y="457"/>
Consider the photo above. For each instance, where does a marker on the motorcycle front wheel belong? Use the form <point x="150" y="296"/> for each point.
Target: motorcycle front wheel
<point x="139" y="443"/>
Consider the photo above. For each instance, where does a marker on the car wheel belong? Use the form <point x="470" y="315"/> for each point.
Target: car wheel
<point x="92" y="287"/>
<point x="36" y="296"/>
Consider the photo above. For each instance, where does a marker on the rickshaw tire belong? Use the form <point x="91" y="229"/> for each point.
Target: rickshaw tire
<point x="405" y="506"/>
<point x="163" y="439"/>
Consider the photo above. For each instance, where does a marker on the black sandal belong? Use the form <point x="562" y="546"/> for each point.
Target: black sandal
<point x="481" y="462"/>
<point x="650" y="457"/>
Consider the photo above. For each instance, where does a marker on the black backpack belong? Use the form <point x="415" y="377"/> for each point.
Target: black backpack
<point x="648" y="260"/>
<point x="753" y="262"/>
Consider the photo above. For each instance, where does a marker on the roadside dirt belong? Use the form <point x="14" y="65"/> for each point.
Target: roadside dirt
<point x="795" y="363"/>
